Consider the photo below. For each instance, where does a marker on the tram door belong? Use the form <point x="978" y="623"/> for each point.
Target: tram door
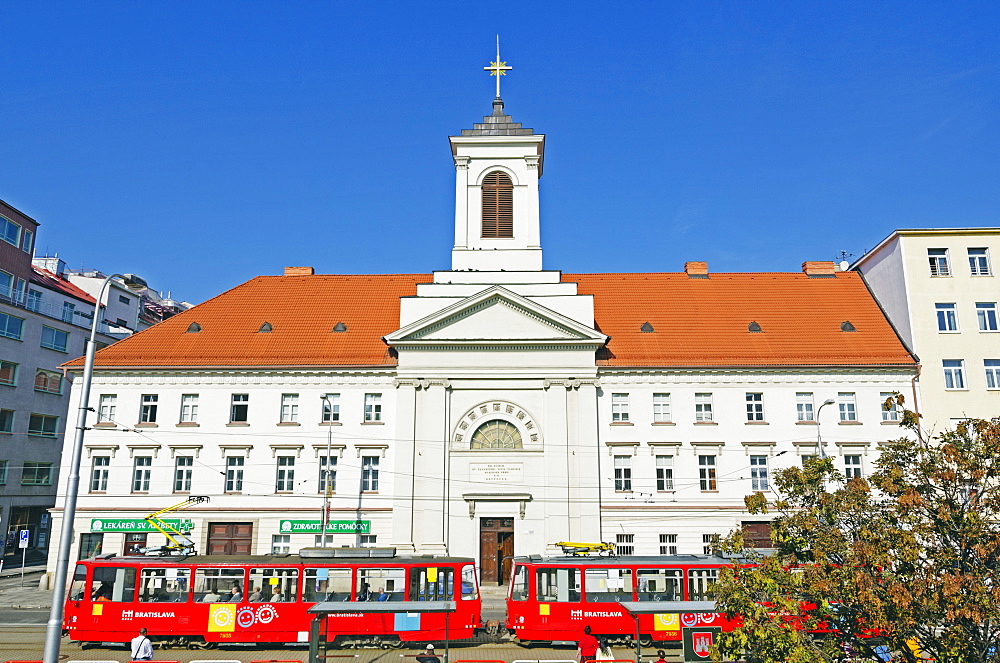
<point x="496" y="547"/>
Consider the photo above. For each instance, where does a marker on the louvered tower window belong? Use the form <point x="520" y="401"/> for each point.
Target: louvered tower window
<point x="498" y="205"/>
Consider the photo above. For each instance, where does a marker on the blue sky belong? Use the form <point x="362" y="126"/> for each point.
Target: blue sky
<point x="199" y="144"/>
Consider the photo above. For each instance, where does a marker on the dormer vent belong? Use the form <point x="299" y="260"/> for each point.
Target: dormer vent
<point x="847" y="326"/>
<point x="265" y="328"/>
<point x="193" y="328"/>
<point x="754" y="327"/>
<point x="647" y="328"/>
<point x="696" y="269"/>
<point x="340" y="327"/>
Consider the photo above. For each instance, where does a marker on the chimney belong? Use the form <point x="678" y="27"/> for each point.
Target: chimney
<point x="696" y="270"/>
<point x="299" y="271"/>
<point x="819" y="269"/>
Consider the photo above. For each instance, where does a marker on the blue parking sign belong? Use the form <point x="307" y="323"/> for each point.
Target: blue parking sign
<point x="23" y="542"/>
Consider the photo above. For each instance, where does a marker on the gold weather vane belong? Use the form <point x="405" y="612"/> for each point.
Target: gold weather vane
<point x="498" y="68"/>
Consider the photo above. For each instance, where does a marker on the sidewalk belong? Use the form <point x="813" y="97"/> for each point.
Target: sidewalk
<point x="15" y="597"/>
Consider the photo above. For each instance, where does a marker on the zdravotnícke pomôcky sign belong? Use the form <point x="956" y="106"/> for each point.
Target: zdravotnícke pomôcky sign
<point x="332" y="527"/>
<point x="135" y="525"/>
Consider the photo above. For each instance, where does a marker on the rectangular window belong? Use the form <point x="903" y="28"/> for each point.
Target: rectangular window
<point x="755" y="407"/>
<point x="11" y="327"/>
<point x="68" y="310"/>
<point x="706" y="472"/>
<point x="239" y="410"/>
<point x="48" y="381"/>
<point x="847" y="405"/>
<point x="367" y="540"/>
<point x="281" y="544"/>
<point x="954" y="373"/>
<point x="894" y="414"/>
<point x="6" y="421"/>
<point x="26" y="241"/>
<point x="54" y="339"/>
<point x="99" y="474"/>
<point x="8" y="373"/>
<point x="234" y="474"/>
<point x="10" y="232"/>
<point x="804" y="406"/>
<point x="661" y="408"/>
<point x="289" y="408"/>
<point x="758" y="473"/>
<point x="189" y="408"/>
<point x="604" y="584"/>
<point x="709" y="543"/>
<point x="992" y="367"/>
<point x="852" y="466"/>
<point x="619" y="408"/>
<point x="141" y="469"/>
<point x="625" y="544"/>
<point x="327" y="473"/>
<point x="106" y="410"/>
<point x="124" y="300"/>
<point x="183" y="470"/>
<point x="36" y="474"/>
<point x="623" y="474"/>
<point x="43" y="425"/>
<point x="373" y="407"/>
<point x="986" y="312"/>
<point x="703" y="407"/>
<point x="3" y="472"/>
<point x="668" y="544"/>
<point x="34" y="301"/>
<point x="664" y="473"/>
<point x="947" y="317"/>
<point x="369" y="474"/>
<point x="331" y="409"/>
<point x="284" y="481"/>
<point x="979" y="262"/>
<point x="557" y="585"/>
<point x="147" y="411"/>
<point x="938" y="260"/>
<point x="6" y="285"/>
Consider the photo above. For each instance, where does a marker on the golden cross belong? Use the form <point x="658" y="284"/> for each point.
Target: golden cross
<point x="498" y="68"/>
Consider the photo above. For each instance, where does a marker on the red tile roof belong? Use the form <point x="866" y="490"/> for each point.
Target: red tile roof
<point x="697" y="322"/>
<point x="46" y="278"/>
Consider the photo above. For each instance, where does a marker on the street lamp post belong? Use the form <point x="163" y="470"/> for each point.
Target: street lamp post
<point x="53" y="629"/>
<point x="325" y="518"/>
<point x="819" y="438"/>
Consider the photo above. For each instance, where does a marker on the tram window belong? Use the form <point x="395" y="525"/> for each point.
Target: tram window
<point x="700" y="582"/>
<point x="77" y="589"/>
<point x="602" y="585"/>
<point x="113" y="583"/>
<point x="380" y="584"/>
<point x="327" y="585"/>
<point x="433" y="583"/>
<point x="519" y="584"/>
<point x="659" y="585"/>
<point x="217" y="585"/>
<point x="273" y="585"/>
<point x="469" y="588"/>
<point x="558" y="585"/>
<point x="163" y="585"/>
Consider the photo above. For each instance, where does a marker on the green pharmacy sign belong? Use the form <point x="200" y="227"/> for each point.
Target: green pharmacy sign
<point x="134" y="525"/>
<point x="332" y="527"/>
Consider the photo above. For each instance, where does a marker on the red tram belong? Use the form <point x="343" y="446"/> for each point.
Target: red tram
<point x="552" y="599"/>
<point x="202" y="600"/>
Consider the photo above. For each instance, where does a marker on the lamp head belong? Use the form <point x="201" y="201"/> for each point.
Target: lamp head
<point x="829" y="401"/>
<point x="133" y="282"/>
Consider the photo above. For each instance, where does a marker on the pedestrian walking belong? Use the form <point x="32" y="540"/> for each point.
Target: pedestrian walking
<point x="588" y="646"/>
<point x="142" y="648"/>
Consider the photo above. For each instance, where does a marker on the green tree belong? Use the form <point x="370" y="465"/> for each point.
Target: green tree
<point x="911" y="553"/>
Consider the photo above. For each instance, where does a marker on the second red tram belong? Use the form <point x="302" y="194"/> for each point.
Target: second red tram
<point x="202" y="600"/>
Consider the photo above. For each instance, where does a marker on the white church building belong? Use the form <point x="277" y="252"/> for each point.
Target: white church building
<point x="488" y="410"/>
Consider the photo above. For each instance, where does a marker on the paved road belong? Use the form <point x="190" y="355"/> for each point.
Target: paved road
<point x="10" y="617"/>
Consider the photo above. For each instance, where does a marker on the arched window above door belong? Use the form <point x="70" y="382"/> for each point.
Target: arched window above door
<point x="498" y="205"/>
<point x="496" y="434"/>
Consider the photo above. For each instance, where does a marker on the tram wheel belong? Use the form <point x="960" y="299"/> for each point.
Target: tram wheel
<point x="645" y="641"/>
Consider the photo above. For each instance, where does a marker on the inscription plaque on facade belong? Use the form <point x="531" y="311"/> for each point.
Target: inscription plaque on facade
<point x="497" y="472"/>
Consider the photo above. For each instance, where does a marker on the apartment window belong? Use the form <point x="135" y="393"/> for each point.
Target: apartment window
<point x="703" y="407"/>
<point x="281" y="544"/>
<point x="986" y="312"/>
<point x="852" y="466"/>
<point x="954" y="373"/>
<point x="373" y="407"/>
<point x="623" y="474"/>
<point x="892" y="414"/>
<point x="106" y="410"/>
<point x="847" y="405"/>
<point x="54" y="339"/>
<point x="625" y="544"/>
<point x="147" y="409"/>
<point x="68" y="310"/>
<point x="806" y="458"/>
<point x="331" y="409"/>
<point x="758" y="473"/>
<point x="34" y="302"/>
<point x="285" y="479"/>
<point x="327" y="473"/>
<point x="709" y="543"/>
<point x="992" y="367"/>
<point x="619" y="408"/>
<point x="938" y="259"/>
<point x="668" y="544"/>
<point x="99" y="474"/>
<point x="141" y="469"/>
<point x="6" y="421"/>
<point x="11" y="327"/>
<point x="36" y="474"/>
<point x="3" y="472"/>
<point x="26" y="241"/>
<point x="189" y="408"/>
<point x="6" y="285"/>
<point x="183" y="469"/>
<point x="289" y="408"/>
<point x="979" y="262"/>
<point x="367" y="540"/>
<point x="48" y="381"/>
<point x="124" y="300"/>
<point x="804" y="406"/>
<point x="321" y="541"/>
<point x="706" y="473"/>
<point x="8" y="373"/>
<point x="10" y="232"/>
<point x="239" y="410"/>
<point x="43" y="425"/>
<point x="661" y="408"/>
<point x="369" y="474"/>
<point x="947" y="317"/>
<point x="664" y="473"/>
<point x="755" y="407"/>
<point x="234" y="474"/>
